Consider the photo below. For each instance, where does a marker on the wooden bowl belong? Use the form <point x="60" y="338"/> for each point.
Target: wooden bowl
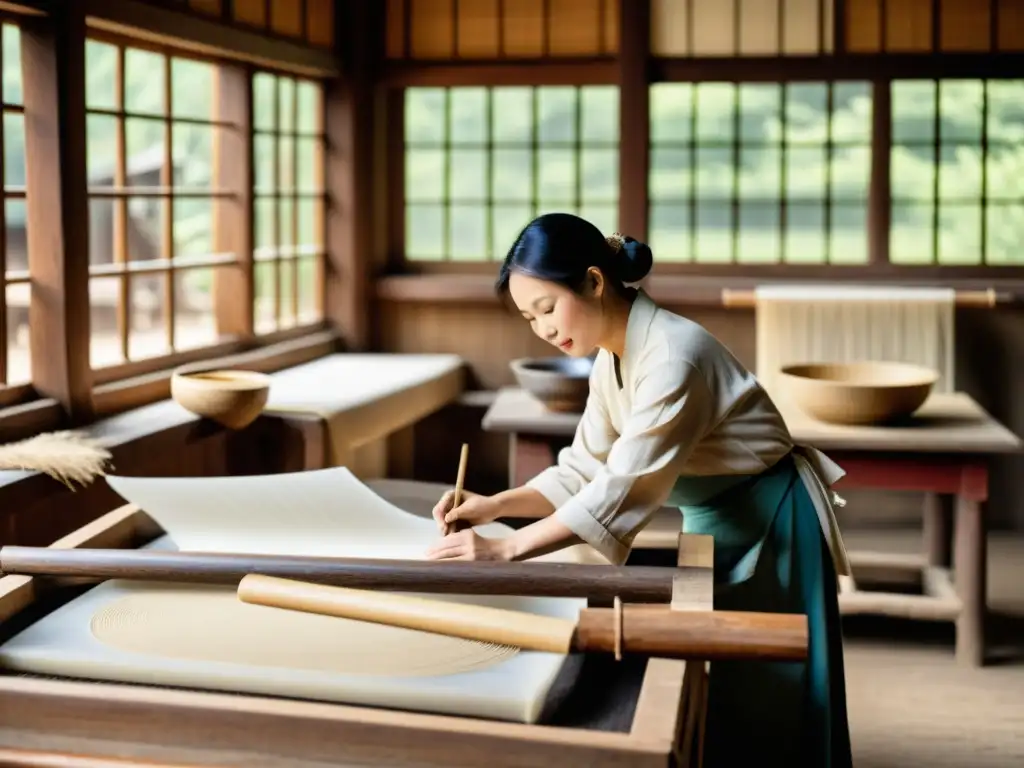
<point x="232" y="398"/>
<point x="561" y="383"/>
<point x="858" y="393"/>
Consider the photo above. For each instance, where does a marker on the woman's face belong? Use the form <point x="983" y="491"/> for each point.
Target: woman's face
<point x="573" y="323"/>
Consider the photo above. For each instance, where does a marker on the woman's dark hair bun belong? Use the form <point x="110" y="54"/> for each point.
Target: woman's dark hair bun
<point x="633" y="260"/>
<point x="563" y="248"/>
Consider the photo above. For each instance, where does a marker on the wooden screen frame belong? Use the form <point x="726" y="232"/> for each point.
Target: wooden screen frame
<point x="151" y="723"/>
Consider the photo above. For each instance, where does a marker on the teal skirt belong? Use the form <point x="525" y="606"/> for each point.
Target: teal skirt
<point x="771" y="555"/>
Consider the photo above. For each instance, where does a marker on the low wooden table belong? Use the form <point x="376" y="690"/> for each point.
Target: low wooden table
<point x="944" y="454"/>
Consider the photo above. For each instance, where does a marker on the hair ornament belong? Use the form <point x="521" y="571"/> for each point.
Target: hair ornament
<point x="616" y="241"/>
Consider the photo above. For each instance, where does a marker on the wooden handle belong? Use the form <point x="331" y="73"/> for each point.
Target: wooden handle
<point x="968" y="299"/>
<point x="472" y="622"/>
<point x="641" y="629"/>
<point x="658" y="630"/>
<point x="460" y="482"/>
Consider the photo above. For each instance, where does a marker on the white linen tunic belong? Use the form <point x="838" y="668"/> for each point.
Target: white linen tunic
<point x="678" y="403"/>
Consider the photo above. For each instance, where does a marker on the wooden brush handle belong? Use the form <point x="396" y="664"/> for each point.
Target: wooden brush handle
<point x="460" y="481"/>
<point x="471" y="622"/>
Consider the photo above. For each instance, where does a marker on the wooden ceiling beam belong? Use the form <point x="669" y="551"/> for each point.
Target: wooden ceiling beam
<point x="206" y="37"/>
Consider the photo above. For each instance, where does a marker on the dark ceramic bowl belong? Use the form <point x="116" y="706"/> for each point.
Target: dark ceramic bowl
<point x="561" y="383"/>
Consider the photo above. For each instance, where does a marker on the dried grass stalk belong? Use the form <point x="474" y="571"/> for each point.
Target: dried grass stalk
<point x="67" y="456"/>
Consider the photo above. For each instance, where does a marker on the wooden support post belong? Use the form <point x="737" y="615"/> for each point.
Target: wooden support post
<point x="689" y="594"/>
<point x="349" y="124"/>
<point x="634" y="118"/>
<point x="234" y="286"/>
<point x="53" y="55"/>
<point x="694" y="595"/>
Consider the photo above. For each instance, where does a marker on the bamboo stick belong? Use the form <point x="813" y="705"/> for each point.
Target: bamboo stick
<point x="460" y="481"/>
<point x="646" y="630"/>
<point x="632" y="583"/>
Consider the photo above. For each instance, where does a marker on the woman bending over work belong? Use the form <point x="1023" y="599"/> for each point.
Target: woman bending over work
<point x="673" y="417"/>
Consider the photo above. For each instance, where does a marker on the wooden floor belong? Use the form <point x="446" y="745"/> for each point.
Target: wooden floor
<point x="911" y="705"/>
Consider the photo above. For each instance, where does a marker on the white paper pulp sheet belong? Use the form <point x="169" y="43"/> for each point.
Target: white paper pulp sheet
<point x="324" y="513"/>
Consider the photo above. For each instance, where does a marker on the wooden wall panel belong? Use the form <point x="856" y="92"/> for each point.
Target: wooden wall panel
<point x="308" y="21"/>
<point x="320" y="22"/>
<point x="523" y="29"/>
<point x="759" y="32"/>
<point x="251" y="13"/>
<point x="741" y="27"/>
<point x="863" y="26"/>
<point x="479" y="29"/>
<point x="209" y="7"/>
<point x="433" y="29"/>
<point x="575" y="27"/>
<point x="286" y="17"/>
<point x="737" y="28"/>
<point x="965" y="25"/>
<point x="908" y="26"/>
<point x="489" y="29"/>
<point x="1011" y="25"/>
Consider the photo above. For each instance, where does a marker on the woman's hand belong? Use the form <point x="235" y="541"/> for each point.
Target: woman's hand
<point x="470" y="545"/>
<point x="474" y="510"/>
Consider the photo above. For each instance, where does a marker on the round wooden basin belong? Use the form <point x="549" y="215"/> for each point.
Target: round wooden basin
<point x="561" y="383"/>
<point x="858" y="393"/>
<point x="232" y="398"/>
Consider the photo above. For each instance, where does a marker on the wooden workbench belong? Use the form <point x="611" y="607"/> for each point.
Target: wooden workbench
<point x="635" y="712"/>
<point x="942" y="453"/>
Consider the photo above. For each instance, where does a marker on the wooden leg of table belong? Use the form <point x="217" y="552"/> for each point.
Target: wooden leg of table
<point x="938" y="519"/>
<point x="970" y="564"/>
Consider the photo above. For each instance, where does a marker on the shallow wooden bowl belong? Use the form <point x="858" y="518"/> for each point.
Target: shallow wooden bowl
<point x="232" y="398"/>
<point x="858" y="393"/>
<point x="561" y="383"/>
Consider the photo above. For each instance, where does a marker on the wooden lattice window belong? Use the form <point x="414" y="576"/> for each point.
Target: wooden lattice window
<point x="760" y="173"/>
<point x="289" y="202"/>
<point x="957" y="172"/>
<point x="151" y="125"/>
<point x="15" y="356"/>
<point x="481" y="162"/>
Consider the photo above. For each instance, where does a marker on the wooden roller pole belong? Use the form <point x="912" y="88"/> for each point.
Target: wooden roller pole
<point x="646" y="630"/>
<point x="633" y="583"/>
<point x="987" y="299"/>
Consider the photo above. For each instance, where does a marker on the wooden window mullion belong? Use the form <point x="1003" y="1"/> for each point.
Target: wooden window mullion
<point x="53" y="66"/>
<point x="4" y="373"/>
<point x="879" y="189"/>
<point x="296" y="250"/>
<point x="120" y="206"/>
<point x="170" y="287"/>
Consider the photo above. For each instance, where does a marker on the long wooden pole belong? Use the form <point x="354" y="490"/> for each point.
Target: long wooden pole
<point x="986" y="299"/>
<point x="645" y="629"/>
<point x="630" y="583"/>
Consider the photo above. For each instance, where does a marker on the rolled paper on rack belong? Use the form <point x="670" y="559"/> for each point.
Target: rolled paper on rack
<point x="650" y="630"/>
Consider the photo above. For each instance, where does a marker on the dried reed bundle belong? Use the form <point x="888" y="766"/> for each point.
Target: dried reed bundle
<point x="67" y="456"/>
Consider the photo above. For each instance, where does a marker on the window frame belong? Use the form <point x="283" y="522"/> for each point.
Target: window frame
<point x="636" y="69"/>
<point x="65" y="391"/>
